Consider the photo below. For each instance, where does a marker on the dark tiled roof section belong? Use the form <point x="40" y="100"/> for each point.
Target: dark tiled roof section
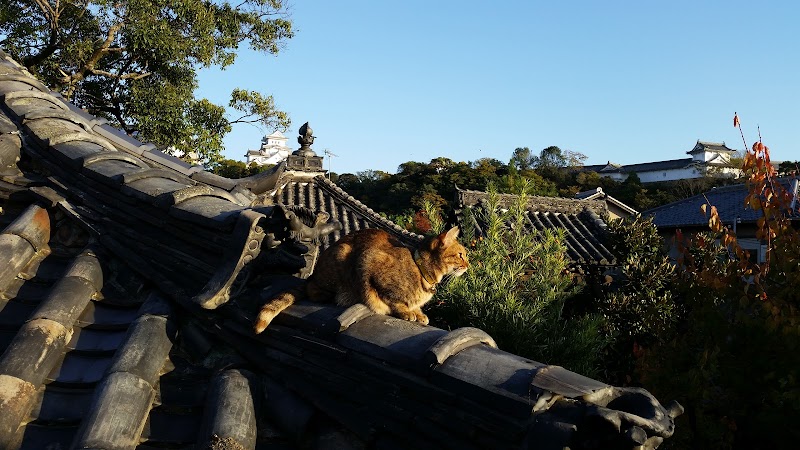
<point x="535" y="202"/>
<point x="729" y="201"/>
<point x="657" y="165"/>
<point x="710" y="147"/>
<point x="84" y="357"/>
<point x="66" y="138"/>
<point x="646" y="167"/>
<point x="593" y="167"/>
<point x="320" y="194"/>
<point x="62" y="344"/>
<point x="584" y="234"/>
<point x="122" y="401"/>
<point x="585" y="229"/>
<point x="369" y="370"/>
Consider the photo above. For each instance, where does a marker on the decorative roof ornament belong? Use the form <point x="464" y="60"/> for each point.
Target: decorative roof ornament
<point x="304" y="159"/>
<point x="305" y="140"/>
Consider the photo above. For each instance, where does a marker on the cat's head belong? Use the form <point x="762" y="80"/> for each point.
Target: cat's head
<point x="447" y="256"/>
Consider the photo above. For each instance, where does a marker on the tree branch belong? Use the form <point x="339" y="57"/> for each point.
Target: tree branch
<point x="52" y="15"/>
<point x="126" y="76"/>
<point x="103" y="49"/>
<point x="241" y="119"/>
<point x="89" y="65"/>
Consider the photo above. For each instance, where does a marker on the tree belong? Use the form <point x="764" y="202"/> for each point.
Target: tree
<point x="134" y="62"/>
<point x="231" y="168"/>
<point x="522" y="159"/>
<point x="641" y="305"/>
<point x="554" y="158"/>
<point x="552" y="161"/>
<point x="788" y="168"/>
<point x="550" y="158"/>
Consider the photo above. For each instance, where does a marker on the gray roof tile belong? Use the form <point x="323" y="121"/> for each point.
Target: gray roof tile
<point x="729" y="201"/>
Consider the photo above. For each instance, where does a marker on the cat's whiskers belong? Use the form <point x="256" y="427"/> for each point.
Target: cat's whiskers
<point x="447" y="279"/>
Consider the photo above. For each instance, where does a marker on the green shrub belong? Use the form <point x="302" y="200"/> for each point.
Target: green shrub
<point x="640" y="306"/>
<point x="515" y="290"/>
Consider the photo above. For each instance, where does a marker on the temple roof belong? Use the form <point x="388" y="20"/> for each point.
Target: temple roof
<point x="580" y="219"/>
<point x="128" y="287"/>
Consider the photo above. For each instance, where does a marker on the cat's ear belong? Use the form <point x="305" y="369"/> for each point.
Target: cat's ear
<point x="449" y="237"/>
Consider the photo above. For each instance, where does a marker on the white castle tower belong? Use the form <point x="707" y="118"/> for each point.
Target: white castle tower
<point x="273" y="150"/>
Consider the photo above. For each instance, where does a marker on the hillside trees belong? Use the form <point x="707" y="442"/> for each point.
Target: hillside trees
<point x="788" y="167"/>
<point x="552" y="172"/>
<point x="134" y="62"/>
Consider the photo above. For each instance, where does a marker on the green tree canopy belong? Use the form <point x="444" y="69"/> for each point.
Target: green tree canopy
<point x="522" y="158"/>
<point x="134" y="62"/>
<point x="788" y="167"/>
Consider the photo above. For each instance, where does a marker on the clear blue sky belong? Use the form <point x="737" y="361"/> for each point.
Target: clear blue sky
<point x="382" y="83"/>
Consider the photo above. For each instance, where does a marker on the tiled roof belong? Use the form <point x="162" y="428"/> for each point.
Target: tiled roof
<point x="314" y="191"/>
<point x="598" y="194"/>
<point x="729" y="201"/>
<point x="656" y="166"/>
<point x="128" y="286"/>
<point x="643" y="167"/>
<point x="702" y="146"/>
<point x="581" y="219"/>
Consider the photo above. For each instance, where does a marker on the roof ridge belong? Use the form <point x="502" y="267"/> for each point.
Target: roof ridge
<point x="344" y="196"/>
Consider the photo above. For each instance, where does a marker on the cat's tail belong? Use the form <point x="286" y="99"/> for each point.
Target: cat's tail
<point x="277" y="304"/>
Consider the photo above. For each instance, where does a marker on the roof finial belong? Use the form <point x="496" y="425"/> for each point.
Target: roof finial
<point x="305" y="140"/>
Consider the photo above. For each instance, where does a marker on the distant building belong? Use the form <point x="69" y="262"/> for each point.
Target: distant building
<point x="686" y="215"/>
<point x="707" y="159"/>
<point x="273" y="150"/>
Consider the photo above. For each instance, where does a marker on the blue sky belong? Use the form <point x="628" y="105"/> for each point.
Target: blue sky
<point x="382" y="83"/>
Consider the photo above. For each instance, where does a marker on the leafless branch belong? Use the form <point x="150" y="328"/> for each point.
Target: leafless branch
<point x="242" y="119"/>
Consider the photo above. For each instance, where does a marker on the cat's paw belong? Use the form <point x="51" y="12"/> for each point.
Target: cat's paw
<point x="406" y="315"/>
<point x="421" y="318"/>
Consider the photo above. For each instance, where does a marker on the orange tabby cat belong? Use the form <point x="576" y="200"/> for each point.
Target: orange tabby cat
<point x="374" y="268"/>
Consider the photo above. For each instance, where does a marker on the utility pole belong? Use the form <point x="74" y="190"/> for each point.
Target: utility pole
<point x="329" y="153"/>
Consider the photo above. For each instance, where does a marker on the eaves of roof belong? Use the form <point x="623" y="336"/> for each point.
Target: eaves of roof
<point x="621" y="205"/>
<point x="598" y="194"/>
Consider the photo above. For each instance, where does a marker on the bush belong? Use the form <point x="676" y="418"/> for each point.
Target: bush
<point x="641" y="306"/>
<point x="515" y="290"/>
